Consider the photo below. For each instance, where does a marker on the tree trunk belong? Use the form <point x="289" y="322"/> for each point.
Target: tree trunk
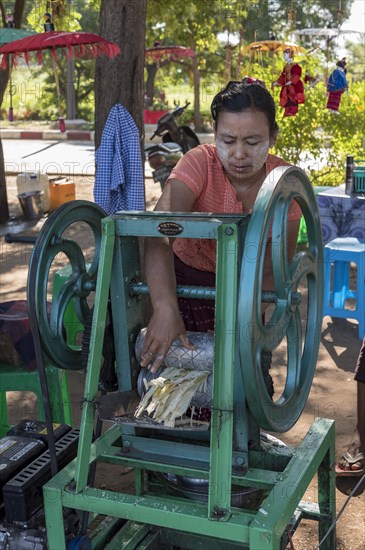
<point x="4" y="78"/>
<point x="150" y="83"/>
<point x="121" y="80"/>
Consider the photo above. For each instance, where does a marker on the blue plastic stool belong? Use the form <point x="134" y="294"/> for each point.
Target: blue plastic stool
<point x="339" y="253"/>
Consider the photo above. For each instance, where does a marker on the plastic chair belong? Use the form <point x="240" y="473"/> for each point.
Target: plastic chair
<point x="18" y="379"/>
<point x="14" y="377"/>
<point x="70" y="321"/>
<point x="340" y="253"/>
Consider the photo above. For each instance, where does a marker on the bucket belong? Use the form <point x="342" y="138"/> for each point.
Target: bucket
<point x="61" y="191"/>
<point x="32" y="204"/>
<point x="28" y="182"/>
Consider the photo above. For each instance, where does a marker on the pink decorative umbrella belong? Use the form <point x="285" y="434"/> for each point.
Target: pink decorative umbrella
<point x="71" y="44"/>
<point x="169" y="53"/>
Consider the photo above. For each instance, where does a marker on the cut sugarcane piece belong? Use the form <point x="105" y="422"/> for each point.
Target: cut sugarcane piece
<point x="169" y="396"/>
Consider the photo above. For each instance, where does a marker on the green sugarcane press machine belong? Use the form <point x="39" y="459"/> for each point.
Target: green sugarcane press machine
<point x="228" y="460"/>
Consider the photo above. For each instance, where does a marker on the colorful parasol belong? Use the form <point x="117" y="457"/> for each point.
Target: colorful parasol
<point x="71" y="44"/>
<point x="78" y="44"/>
<point x="272" y="46"/>
<point x="260" y="47"/>
<point x="169" y="53"/>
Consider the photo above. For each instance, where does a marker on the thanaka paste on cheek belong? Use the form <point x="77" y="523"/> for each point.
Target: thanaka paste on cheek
<point x="260" y="155"/>
<point x="222" y="151"/>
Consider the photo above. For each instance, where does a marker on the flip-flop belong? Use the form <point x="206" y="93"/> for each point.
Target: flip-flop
<point x="359" y="457"/>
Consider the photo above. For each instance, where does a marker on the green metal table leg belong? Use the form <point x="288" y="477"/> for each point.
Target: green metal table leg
<point x="138" y="481"/>
<point x="52" y="497"/>
<point x="4" y="426"/>
<point x="95" y="354"/>
<point x="219" y="501"/>
<point x="277" y="510"/>
<point x="327" y="499"/>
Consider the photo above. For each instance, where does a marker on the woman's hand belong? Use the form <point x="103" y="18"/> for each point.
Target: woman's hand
<point x="165" y="326"/>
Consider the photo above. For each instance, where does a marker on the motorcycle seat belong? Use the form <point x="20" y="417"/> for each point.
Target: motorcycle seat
<point x="168" y="147"/>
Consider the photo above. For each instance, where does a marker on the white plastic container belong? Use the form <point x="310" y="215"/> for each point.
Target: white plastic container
<point x="28" y="182"/>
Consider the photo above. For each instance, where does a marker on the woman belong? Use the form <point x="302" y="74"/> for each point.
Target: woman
<point x="224" y="177"/>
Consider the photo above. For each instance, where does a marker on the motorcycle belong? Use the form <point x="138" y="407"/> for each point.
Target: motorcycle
<point x="176" y="140"/>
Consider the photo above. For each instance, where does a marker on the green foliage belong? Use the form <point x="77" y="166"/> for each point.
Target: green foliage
<point x="271" y="17"/>
<point x="356" y="61"/>
<point x="322" y="139"/>
<point x="316" y="137"/>
<point x="65" y="17"/>
<point x="72" y="16"/>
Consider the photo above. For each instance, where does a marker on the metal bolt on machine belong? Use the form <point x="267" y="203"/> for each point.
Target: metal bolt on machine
<point x="226" y="486"/>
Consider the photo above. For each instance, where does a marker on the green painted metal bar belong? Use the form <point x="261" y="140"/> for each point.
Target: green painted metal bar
<point x="276" y="511"/>
<point x="162" y="450"/>
<point x="103" y="531"/>
<point x="138" y="481"/>
<point x="54" y="491"/>
<point x="126" y="311"/>
<point x="208" y="293"/>
<point x="129" y="536"/>
<point x="189" y="225"/>
<point x="327" y="497"/>
<point x="219" y="498"/>
<point x="52" y="498"/>
<point x="164" y="512"/>
<point x="67" y="474"/>
<point x="255" y="477"/>
<point x="95" y="354"/>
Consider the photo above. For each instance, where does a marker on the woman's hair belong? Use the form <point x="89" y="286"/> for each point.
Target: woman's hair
<point x="247" y="93"/>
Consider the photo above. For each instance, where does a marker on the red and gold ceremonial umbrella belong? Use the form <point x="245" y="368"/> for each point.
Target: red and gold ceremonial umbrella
<point x="168" y="53"/>
<point x="71" y="44"/>
<point x="261" y="47"/>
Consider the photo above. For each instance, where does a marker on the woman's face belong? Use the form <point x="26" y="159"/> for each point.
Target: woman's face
<point x="243" y="141"/>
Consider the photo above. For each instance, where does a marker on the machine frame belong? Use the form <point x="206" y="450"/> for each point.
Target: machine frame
<point x="225" y="455"/>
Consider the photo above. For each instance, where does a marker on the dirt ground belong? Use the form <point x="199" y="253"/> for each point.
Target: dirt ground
<point x="332" y="395"/>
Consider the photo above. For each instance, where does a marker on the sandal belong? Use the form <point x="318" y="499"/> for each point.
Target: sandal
<point x="350" y="465"/>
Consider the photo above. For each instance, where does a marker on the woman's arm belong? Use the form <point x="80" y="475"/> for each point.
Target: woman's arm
<point x="166" y="323"/>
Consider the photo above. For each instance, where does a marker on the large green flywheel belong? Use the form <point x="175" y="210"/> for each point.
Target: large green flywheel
<point x="267" y="231"/>
<point x="58" y="237"/>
